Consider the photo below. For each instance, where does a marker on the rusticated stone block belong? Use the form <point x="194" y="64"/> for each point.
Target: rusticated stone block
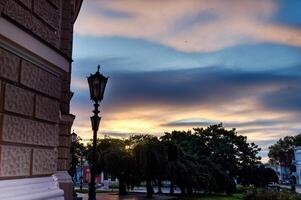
<point x="18" y="100"/>
<point x="66" y="34"/>
<point x="2" y="4"/>
<point x="40" y="29"/>
<point x="66" y="44"/>
<point x="65" y="86"/>
<point x="40" y="80"/>
<point x="27" y="3"/>
<point x="47" y="12"/>
<point x="25" y="18"/>
<point x="19" y="130"/>
<point x="63" y="152"/>
<point x="47" y="109"/>
<point x="17" y="13"/>
<point x="15" y="161"/>
<point x="65" y="108"/>
<point x="44" y="161"/>
<point x="64" y="141"/>
<point x="65" y="97"/>
<point x="1" y="97"/>
<point x="62" y="164"/>
<point x="9" y="65"/>
<point x="65" y="130"/>
<point x="56" y="3"/>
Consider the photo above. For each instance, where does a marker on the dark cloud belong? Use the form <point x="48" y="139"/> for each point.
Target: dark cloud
<point x="203" y="86"/>
<point x="120" y="134"/>
<point x="285" y="99"/>
<point x="116" y="134"/>
<point x="212" y="86"/>
<point x="196" y="123"/>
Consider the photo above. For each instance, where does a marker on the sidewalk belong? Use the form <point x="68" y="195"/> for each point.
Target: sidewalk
<point x="298" y="187"/>
<point x="134" y="196"/>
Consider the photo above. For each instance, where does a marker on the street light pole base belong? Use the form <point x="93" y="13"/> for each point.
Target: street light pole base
<point x="92" y="192"/>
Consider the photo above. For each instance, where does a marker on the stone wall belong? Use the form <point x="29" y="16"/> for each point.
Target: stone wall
<point x="34" y="131"/>
<point x="35" y="71"/>
<point x="51" y="21"/>
<point x="35" y="119"/>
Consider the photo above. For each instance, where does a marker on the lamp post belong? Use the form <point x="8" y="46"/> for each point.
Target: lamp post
<point x="97" y="83"/>
<point x="73" y="169"/>
<point x="81" y="173"/>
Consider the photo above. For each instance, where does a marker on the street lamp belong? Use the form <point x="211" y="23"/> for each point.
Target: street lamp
<point x="81" y="173"/>
<point x="73" y="169"/>
<point x="97" y="84"/>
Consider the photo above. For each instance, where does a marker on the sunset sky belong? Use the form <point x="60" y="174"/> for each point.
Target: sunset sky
<point x="176" y="64"/>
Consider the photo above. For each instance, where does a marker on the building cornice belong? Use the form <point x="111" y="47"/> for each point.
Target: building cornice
<point x="16" y="35"/>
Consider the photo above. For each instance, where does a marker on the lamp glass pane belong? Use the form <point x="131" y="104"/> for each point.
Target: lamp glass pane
<point x="91" y="87"/>
<point x="103" y="86"/>
<point x="96" y="87"/>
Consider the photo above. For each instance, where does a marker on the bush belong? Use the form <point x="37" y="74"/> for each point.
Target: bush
<point x="243" y="189"/>
<point x="114" y="185"/>
<point x="263" y="194"/>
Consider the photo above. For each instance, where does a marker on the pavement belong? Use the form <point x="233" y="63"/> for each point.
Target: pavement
<point x="298" y="187"/>
<point x="134" y="196"/>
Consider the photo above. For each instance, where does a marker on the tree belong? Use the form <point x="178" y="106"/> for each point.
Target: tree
<point x="202" y="160"/>
<point x="259" y="176"/>
<point x="214" y="153"/>
<point x="151" y="158"/>
<point x="77" y="151"/>
<point x="114" y="158"/>
<point x="225" y="147"/>
<point x="282" y="152"/>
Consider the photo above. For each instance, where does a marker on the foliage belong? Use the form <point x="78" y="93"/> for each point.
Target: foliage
<point x="114" y="158"/>
<point x="264" y="194"/>
<point x="259" y="176"/>
<point x="214" y="197"/>
<point x="150" y="155"/>
<point x="282" y="152"/>
<point x="77" y="151"/>
<point x="114" y="185"/>
<point x="241" y="189"/>
<point x="205" y="160"/>
<point x="212" y="157"/>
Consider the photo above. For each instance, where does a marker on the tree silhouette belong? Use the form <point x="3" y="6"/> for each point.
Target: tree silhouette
<point x="199" y="160"/>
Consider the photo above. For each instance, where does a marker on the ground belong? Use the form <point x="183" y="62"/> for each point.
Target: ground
<point x="220" y="197"/>
<point x="141" y="196"/>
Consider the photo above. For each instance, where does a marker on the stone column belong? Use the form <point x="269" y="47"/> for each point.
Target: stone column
<point x="62" y="176"/>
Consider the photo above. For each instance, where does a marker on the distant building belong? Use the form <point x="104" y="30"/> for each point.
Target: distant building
<point x="103" y="180"/>
<point x="292" y="173"/>
<point x="36" y="39"/>
<point x="296" y="175"/>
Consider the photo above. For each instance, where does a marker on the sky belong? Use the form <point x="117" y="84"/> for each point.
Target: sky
<point x="176" y="65"/>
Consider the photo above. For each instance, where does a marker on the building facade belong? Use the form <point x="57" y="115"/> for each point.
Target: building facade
<point x="35" y="121"/>
<point x="83" y="176"/>
<point x="290" y="174"/>
<point x="297" y="165"/>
